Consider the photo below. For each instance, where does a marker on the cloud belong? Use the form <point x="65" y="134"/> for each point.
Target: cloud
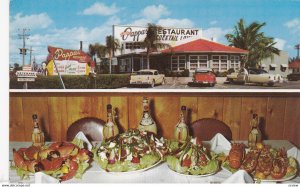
<point x="101" y="9"/>
<point x="218" y="34"/>
<point x="34" y="21"/>
<point x="280" y="43"/>
<point x="154" y="12"/>
<point x="66" y="38"/>
<point x="213" y="22"/>
<point x="293" y="25"/>
<point x="169" y="22"/>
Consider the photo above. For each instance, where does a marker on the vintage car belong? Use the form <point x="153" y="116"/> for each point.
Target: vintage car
<point x="293" y="76"/>
<point x="149" y="77"/>
<point x="253" y="75"/>
<point x="204" y="76"/>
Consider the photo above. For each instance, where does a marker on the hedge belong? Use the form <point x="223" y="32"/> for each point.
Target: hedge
<point x="103" y="81"/>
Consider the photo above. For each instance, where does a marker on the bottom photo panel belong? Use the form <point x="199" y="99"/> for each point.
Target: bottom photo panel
<point x="154" y="137"/>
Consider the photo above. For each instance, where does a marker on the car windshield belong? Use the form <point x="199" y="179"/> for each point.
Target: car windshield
<point x="144" y="73"/>
<point x="257" y="71"/>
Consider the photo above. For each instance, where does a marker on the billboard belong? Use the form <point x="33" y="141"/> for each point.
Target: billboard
<point x="165" y="34"/>
<point x="68" y="62"/>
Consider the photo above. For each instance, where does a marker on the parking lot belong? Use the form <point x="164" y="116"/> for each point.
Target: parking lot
<point x="182" y="83"/>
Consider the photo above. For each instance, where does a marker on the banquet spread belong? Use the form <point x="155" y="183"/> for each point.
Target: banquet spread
<point x="262" y="162"/>
<point x="129" y="151"/>
<point x="62" y="160"/>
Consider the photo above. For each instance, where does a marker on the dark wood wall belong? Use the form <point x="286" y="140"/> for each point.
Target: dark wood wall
<point x="280" y="112"/>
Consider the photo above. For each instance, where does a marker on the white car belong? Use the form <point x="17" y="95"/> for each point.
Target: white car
<point x="259" y="76"/>
<point x="149" y="77"/>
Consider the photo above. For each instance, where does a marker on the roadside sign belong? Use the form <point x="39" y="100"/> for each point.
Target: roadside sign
<point x="26" y="79"/>
<point x="30" y="74"/>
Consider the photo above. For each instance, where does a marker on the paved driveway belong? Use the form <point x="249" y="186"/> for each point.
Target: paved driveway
<point x="181" y="83"/>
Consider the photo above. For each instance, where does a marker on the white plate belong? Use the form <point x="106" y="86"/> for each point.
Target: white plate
<point x="277" y="180"/>
<point x="267" y="180"/>
<point x="134" y="171"/>
<point x="187" y="175"/>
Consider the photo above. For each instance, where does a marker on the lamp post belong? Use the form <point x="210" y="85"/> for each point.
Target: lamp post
<point x="297" y="47"/>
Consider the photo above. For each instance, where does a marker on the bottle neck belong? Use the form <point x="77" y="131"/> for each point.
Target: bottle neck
<point x="109" y="117"/>
<point x="35" y="124"/>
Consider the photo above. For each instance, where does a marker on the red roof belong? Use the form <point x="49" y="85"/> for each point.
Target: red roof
<point x="295" y="64"/>
<point x="202" y="45"/>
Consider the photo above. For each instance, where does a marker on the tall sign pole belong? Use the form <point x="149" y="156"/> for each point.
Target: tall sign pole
<point x="24" y="35"/>
<point x="297" y="47"/>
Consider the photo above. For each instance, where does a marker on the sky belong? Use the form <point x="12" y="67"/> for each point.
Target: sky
<point x="63" y="23"/>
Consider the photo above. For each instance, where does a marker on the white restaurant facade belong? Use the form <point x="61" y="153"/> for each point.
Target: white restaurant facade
<point x="189" y="50"/>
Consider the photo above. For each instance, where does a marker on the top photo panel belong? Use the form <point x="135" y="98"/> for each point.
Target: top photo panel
<point x="158" y="44"/>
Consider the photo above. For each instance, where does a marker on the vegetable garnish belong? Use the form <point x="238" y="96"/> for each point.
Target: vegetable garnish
<point x="130" y="151"/>
<point x="191" y="158"/>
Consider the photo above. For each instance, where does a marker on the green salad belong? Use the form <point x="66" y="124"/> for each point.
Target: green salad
<point x="190" y="158"/>
<point x="130" y="151"/>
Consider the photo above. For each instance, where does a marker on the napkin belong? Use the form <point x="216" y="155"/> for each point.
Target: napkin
<point x="294" y="152"/>
<point x="240" y="176"/>
<point x="220" y="144"/>
<point x="41" y="177"/>
<point x="80" y="135"/>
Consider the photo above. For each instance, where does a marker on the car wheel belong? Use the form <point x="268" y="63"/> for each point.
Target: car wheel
<point x="153" y="84"/>
<point x="271" y="84"/>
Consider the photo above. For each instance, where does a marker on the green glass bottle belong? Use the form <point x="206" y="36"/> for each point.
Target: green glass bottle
<point x="181" y="132"/>
<point x="110" y="128"/>
<point x="147" y="123"/>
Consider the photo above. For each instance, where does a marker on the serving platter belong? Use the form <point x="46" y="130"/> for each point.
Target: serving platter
<point x="196" y="176"/>
<point x="132" y="172"/>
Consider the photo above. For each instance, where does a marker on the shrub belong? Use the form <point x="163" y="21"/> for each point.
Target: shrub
<point x="75" y="82"/>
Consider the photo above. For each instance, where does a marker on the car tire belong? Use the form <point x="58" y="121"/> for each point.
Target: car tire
<point x="152" y="84"/>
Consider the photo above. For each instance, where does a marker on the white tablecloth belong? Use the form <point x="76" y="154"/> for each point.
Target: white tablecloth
<point x="159" y="174"/>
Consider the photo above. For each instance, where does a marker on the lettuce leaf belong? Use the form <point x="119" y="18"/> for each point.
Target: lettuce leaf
<point x="81" y="169"/>
<point x="149" y="160"/>
<point x="103" y="163"/>
<point x="211" y="167"/>
<point x="226" y="166"/>
<point x="174" y="164"/>
<point x="80" y="143"/>
<point x="116" y="167"/>
<point x="23" y="174"/>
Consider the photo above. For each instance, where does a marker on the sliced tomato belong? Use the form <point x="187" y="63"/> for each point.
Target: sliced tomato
<point x="135" y="159"/>
<point x="186" y="162"/>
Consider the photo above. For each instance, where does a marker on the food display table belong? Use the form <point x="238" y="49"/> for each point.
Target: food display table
<point x="158" y="174"/>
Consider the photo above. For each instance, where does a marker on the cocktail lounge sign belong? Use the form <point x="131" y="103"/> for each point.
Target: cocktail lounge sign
<point x="166" y="35"/>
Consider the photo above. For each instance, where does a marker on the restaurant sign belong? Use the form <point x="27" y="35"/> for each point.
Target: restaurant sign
<point x="166" y="35"/>
<point x="69" y="67"/>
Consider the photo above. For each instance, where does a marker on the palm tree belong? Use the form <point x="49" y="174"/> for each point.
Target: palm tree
<point x="97" y="49"/>
<point x="151" y="43"/>
<point x="252" y="39"/>
<point x="111" y="46"/>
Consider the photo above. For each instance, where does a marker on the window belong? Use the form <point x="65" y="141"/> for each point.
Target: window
<point x="223" y="63"/>
<point x="235" y="62"/>
<point x="272" y="67"/>
<point x="283" y="67"/>
<point x="216" y="63"/>
<point x="198" y="61"/>
<point x="155" y="73"/>
<point x="178" y="62"/>
<point x="134" y="45"/>
<point x="125" y="65"/>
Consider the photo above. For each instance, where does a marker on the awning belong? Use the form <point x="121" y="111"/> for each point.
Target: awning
<point x="263" y="65"/>
<point x="273" y="65"/>
<point x="285" y="65"/>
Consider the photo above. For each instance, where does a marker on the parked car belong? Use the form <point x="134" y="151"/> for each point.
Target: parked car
<point x="203" y="76"/>
<point x="293" y="76"/>
<point x="253" y="75"/>
<point x="150" y="77"/>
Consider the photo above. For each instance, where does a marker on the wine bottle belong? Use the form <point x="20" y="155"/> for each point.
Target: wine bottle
<point x="181" y="132"/>
<point x="110" y="128"/>
<point x="37" y="136"/>
<point x="255" y="135"/>
<point x="147" y="123"/>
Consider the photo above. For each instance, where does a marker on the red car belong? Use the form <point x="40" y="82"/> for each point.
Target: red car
<point x="204" y="77"/>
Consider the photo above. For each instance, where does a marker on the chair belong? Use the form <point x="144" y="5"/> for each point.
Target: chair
<point x="205" y="129"/>
<point x="90" y="126"/>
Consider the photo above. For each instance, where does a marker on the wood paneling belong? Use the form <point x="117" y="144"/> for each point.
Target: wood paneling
<point x="16" y="124"/>
<point x="279" y="113"/>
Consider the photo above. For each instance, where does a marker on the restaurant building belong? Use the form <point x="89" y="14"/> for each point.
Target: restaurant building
<point x="189" y="50"/>
<point x="295" y="66"/>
